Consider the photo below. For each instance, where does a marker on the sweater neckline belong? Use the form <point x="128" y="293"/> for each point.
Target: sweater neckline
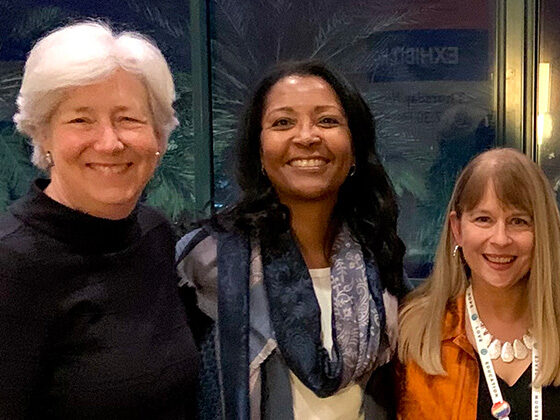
<point x="86" y="233"/>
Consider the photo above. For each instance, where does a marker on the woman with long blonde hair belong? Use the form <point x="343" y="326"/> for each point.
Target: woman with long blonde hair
<point x="480" y="338"/>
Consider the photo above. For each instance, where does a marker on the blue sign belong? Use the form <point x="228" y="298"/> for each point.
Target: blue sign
<point x="440" y="54"/>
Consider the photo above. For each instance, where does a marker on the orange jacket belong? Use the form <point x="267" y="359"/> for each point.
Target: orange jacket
<point x="450" y="397"/>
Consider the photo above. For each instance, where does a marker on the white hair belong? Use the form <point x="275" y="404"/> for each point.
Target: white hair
<point x="84" y="53"/>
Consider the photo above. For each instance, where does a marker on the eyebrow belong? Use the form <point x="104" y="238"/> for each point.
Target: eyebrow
<point x="521" y="213"/>
<point x="123" y="108"/>
<point x="318" y="108"/>
<point x="327" y="107"/>
<point x="80" y="109"/>
<point x="88" y="109"/>
<point x="513" y="214"/>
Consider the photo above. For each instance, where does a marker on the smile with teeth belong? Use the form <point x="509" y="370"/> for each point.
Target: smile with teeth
<point x="497" y="259"/>
<point x="307" y="163"/>
<point x="109" y="168"/>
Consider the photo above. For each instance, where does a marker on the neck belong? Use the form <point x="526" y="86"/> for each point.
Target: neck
<point x="311" y="223"/>
<point x="504" y="312"/>
<point x="115" y="211"/>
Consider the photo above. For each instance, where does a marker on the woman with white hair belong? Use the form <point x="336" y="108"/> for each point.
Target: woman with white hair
<point x="92" y="324"/>
<point x="480" y="339"/>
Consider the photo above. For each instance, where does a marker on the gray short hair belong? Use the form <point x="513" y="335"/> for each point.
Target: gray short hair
<point x="84" y="53"/>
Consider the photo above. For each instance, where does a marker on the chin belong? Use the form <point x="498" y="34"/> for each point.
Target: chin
<point x="505" y="284"/>
<point x="116" y="197"/>
<point x="312" y="193"/>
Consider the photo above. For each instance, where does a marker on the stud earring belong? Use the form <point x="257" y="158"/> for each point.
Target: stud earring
<point x="158" y="154"/>
<point x="456" y="251"/>
<point x="48" y="158"/>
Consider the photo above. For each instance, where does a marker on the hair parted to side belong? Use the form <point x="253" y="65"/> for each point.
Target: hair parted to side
<point x="518" y="183"/>
<point x="84" y="53"/>
<point x="366" y="200"/>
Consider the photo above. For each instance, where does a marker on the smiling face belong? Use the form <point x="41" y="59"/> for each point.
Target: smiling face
<point x="497" y="241"/>
<point x="103" y="144"/>
<point x="306" y="147"/>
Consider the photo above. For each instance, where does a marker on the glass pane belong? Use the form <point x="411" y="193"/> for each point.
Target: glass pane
<point x="166" y="22"/>
<point x="424" y="67"/>
<point x="548" y="93"/>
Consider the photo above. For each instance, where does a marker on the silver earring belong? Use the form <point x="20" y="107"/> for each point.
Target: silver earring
<point x="456" y="251"/>
<point x="352" y="171"/>
<point x="48" y="158"/>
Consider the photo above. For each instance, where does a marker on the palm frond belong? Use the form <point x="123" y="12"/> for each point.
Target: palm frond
<point x="16" y="170"/>
<point x="35" y="20"/>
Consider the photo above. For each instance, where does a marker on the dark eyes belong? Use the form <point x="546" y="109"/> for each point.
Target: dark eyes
<point x="79" y="120"/>
<point x="130" y="119"/>
<point x="123" y="119"/>
<point x="514" y="221"/>
<point x="329" y="121"/>
<point x="282" y="122"/>
<point x="325" y="122"/>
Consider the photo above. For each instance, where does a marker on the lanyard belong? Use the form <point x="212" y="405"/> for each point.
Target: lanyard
<point x="500" y="408"/>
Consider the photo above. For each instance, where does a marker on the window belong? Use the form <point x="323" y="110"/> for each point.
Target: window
<point x="23" y="22"/>
<point x="423" y="66"/>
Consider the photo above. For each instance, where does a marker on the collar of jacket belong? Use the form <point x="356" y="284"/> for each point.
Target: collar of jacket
<point x="454" y="329"/>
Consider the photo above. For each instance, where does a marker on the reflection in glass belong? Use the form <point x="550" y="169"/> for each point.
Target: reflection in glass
<point x="544" y="120"/>
<point x="548" y="93"/>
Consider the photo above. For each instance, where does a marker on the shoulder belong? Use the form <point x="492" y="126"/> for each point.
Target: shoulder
<point x="197" y="267"/>
<point x="196" y="254"/>
<point x="150" y="218"/>
<point x="157" y="234"/>
<point x="187" y="244"/>
<point x="25" y="279"/>
<point x="9" y="226"/>
<point x="18" y="243"/>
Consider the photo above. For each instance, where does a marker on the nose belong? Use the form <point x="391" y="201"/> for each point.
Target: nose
<point x="500" y="234"/>
<point x="309" y="141"/>
<point x="108" y="139"/>
<point x="307" y="135"/>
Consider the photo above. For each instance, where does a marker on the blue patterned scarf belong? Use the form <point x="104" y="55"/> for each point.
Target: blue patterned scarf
<point x="287" y="314"/>
<point x="359" y="316"/>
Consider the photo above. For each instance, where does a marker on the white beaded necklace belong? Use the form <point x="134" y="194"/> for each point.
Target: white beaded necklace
<point x="507" y="351"/>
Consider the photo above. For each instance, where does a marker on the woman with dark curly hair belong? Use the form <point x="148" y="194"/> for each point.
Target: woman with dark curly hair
<point x="300" y="278"/>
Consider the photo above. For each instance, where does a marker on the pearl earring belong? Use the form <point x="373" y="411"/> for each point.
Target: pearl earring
<point x="48" y="158"/>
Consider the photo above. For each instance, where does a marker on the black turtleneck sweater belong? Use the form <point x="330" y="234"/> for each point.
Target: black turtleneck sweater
<point x="91" y="325"/>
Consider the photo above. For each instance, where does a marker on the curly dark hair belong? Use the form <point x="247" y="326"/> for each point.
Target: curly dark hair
<point x="366" y="201"/>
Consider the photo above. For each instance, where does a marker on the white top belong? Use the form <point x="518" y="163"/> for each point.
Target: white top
<point x="321" y="278"/>
<point x="347" y="403"/>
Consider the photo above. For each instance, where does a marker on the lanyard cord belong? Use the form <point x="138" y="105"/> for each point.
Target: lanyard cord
<point x="500" y="408"/>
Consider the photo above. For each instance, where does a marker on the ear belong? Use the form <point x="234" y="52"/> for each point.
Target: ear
<point x="261" y="156"/>
<point x="455" y="225"/>
<point x="41" y="133"/>
<point x="162" y="145"/>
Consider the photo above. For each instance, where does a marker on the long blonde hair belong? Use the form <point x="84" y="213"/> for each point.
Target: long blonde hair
<point x="519" y="183"/>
